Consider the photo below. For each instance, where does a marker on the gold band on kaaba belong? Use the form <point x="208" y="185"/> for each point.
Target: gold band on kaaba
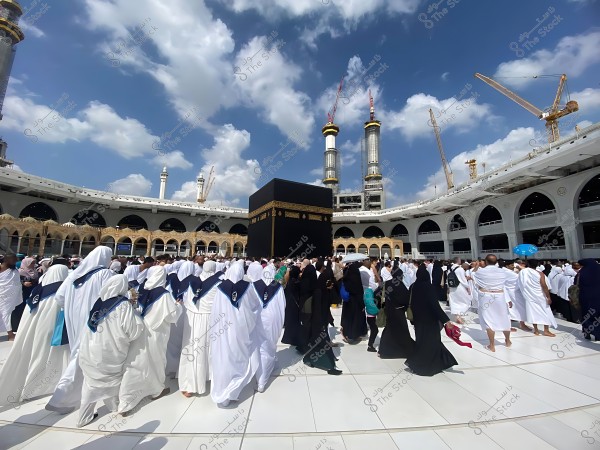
<point x="285" y="206"/>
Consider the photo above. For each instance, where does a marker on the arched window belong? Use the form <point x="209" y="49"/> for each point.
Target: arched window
<point x="343" y="232"/>
<point x="39" y="211"/>
<point x="134" y="222"/>
<point x="429" y="227"/>
<point x="172" y="225"/>
<point x="536" y="203"/>
<point x="373" y="232"/>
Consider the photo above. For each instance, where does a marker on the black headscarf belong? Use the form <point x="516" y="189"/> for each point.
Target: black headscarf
<point x="395" y="291"/>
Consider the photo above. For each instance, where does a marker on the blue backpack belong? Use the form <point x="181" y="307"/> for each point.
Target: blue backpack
<point x="344" y="293"/>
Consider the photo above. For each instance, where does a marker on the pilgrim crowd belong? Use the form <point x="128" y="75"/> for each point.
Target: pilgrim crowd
<point x="112" y="329"/>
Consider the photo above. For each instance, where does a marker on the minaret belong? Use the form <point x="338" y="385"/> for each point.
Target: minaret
<point x="200" y="188"/>
<point x="373" y="184"/>
<point x="10" y="36"/>
<point x="331" y="168"/>
<point x="163" y="183"/>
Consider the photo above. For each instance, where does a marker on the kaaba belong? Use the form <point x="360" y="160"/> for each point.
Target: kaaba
<point x="291" y="220"/>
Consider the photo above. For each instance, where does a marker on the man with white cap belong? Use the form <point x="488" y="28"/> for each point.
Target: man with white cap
<point x="198" y="297"/>
<point x="76" y="296"/>
<point x="112" y="325"/>
<point x="236" y="315"/>
<point x="145" y="368"/>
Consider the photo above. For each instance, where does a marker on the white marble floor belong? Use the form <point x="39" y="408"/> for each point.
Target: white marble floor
<point x="542" y="393"/>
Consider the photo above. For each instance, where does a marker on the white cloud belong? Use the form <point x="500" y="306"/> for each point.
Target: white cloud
<point x="588" y="99"/>
<point x="234" y="176"/>
<point x="511" y="147"/>
<point x="173" y="160"/>
<point x="445" y="76"/>
<point x="97" y="122"/>
<point x="268" y="87"/>
<point x="133" y="184"/>
<point x="318" y="171"/>
<point x="317" y="182"/>
<point x="459" y="112"/>
<point x="30" y="29"/>
<point x="573" y="54"/>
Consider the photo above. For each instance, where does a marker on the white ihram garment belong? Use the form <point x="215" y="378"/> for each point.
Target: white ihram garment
<point x="538" y="310"/>
<point x="493" y="306"/>
<point x="11" y="296"/>
<point x="517" y="312"/>
<point x="460" y="299"/>
<point x="175" y="344"/>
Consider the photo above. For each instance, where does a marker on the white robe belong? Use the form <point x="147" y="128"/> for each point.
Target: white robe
<point x="198" y="333"/>
<point x="554" y="279"/>
<point x="175" y="344"/>
<point x="474" y="290"/>
<point x="145" y="367"/>
<point x="11" y="296"/>
<point x="77" y="303"/>
<point x="104" y="352"/>
<point x="33" y="367"/>
<point x="564" y="283"/>
<point x="460" y="298"/>
<point x="233" y="355"/>
<point x="517" y="312"/>
<point x="538" y="310"/>
<point x="272" y="318"/>
<point x="493" y="306"/>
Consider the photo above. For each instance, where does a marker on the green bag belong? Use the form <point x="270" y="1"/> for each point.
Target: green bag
<point x="381" y="318"/>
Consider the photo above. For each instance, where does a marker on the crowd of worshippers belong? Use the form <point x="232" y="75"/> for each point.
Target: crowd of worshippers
<point x="111" y="329"/>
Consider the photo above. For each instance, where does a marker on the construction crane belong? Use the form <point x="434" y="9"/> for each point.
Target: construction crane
<point x="331" y="115"/>
<point x="472" y="163"/>
<point x="445" y="165"/>
<point x="204" y="189"/>
<point x="371" y="107"/>
<point x="551" y="115"/>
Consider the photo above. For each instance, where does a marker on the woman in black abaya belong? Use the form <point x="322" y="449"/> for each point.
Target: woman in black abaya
<point x="292" y="334"/>
<point x="354" y="319"/>
<point x="437" y="280"/>
<point x="395" y="340"/>
<point x="429" y="356"/>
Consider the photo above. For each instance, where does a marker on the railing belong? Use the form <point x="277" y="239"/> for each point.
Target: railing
<point x="495" y="250"/>
<point x="457" y="229"/>
<point x="551" y="247"/>
<point x="493" y="222"/>
<point x="432" y="253"/>
<point x="588" y="204"/>
<point x="399" y="235"/>
<point x="462" y="252"/>
<point x="541" y="213"/>
<point x="429" y="232"/>
<point x="596" y="245"/>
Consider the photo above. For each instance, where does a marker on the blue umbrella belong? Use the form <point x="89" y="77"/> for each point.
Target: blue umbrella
<point x="525" y="249"/>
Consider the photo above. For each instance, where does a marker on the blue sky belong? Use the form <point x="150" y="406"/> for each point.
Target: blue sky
<point x="113" y="78"/>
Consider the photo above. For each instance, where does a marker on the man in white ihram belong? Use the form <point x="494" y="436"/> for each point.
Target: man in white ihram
<point x="76" y="296"/>
<point x="459" y="296"/>
<point x="493" y="304"/>
<point x="534" y="289"/>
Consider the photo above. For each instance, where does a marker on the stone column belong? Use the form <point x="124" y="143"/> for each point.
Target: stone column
<point x="42" y="245"/>
<point x="475" y="246"/>
<point x="62" y="246"/>
<point x="80" y="246"/>
<point x="446" y="245"/>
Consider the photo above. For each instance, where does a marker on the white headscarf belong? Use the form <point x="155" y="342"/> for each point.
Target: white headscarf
<point x="187" y="268"/>
<point x="255" y="271"/>
<point x="268" y="274"/>
<point x="115" y="266"/>
<point x="235" y="272"/>
<point x="208" y="270"/>
<point x="55" y="274"/>
<point x="156" y="277"/>
<point x="114" y="286"/>
<point x="99" y="257"/>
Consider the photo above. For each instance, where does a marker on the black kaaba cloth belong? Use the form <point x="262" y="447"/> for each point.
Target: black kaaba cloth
<point x="291" y="220"/>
